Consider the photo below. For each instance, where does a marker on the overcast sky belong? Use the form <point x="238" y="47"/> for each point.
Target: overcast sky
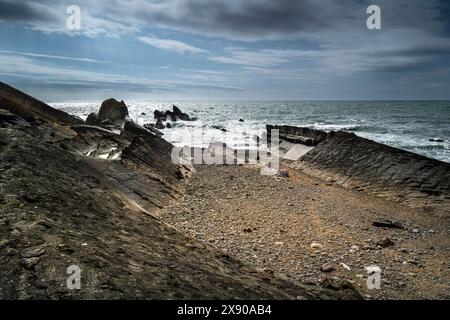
<point x="227" y="49"/>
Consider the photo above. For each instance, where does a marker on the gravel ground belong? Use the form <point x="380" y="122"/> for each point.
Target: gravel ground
<point x="314" y="231"/>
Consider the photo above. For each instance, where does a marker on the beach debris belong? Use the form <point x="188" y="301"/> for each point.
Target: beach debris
<point x="385" y="223"/>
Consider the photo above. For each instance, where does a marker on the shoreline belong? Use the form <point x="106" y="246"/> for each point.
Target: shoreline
<point x="78" y="193"/>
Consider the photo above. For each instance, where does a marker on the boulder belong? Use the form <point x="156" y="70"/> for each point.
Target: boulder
<point x="159" y="124"/>
<point x="113" y="110"/>
<point x="159" y="115"/>
<point x="171" y="115"/>
<point x="180" y="115"/>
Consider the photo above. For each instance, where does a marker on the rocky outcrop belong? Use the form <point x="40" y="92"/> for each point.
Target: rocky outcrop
<point x="302" y="135"/>
<point x="174" y="115"/>
<point x="30" y="108"/>
<point x="366" y="165"/>
<point x="113" y="110"/>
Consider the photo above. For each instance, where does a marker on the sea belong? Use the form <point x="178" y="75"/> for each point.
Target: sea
<point x="421" y="127"/>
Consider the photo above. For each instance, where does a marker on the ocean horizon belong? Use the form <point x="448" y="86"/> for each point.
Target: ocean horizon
<point x="419" y="126"/>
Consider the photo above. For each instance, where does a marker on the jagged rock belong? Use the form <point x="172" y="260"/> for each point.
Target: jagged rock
<point x="386" y="242"/>
<point x="173" y="115"/>
<point x="113" y="110"/>
<point x="133" y="128"/>
<point x="92" y="119"/>
<point x="159" y="115"/>
<point x="181" y="115"/>
<point x="385" y="223"/>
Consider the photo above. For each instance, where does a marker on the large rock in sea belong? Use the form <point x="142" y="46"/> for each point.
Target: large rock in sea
<point x="113" y="110"/>
<point x="179" y="114"/>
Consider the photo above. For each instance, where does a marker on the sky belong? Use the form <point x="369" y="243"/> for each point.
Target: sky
<point x="226" y="49"/>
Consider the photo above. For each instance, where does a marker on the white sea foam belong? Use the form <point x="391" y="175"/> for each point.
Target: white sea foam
<point x="406" y="125"/>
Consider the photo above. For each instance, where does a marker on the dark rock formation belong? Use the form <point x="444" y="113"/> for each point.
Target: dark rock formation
<point x="92" y="119"/>
<point x="180" y="115"/>
<point x="173" y="115"/>
<point x="363" y="164"/>
<point x="113" y="110"/>
<point x="219" y="128"/>
<point x="159" y="124"/>
<point x="306" y="136"/>
<point x="30" y="108"/>
<point x="159" y="115"/>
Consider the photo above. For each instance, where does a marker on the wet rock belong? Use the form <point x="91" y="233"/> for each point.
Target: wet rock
<point x="436" y="140"/>
<point x="159" y="115"/>
<point x="241" y="120"/>
<point x="180" y="115"/>
<point x="159" y="124"/>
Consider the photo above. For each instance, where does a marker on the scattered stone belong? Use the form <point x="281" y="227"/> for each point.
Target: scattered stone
<point x="385" y="223"/>
<point x="327" y="267"/>
<point x="346" y="267"/>
<point x="30" y="263"/>
<point x="386" y="242"/>
<point x="316" y="245"/>
<point x="283" y="173"/>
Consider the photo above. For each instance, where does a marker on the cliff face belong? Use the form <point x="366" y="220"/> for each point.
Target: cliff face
<point x="363" y="164"/>
<point x="72" y="194"/>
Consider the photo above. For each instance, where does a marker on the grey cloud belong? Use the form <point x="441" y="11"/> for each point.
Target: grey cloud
<point x="21" y="11"/>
